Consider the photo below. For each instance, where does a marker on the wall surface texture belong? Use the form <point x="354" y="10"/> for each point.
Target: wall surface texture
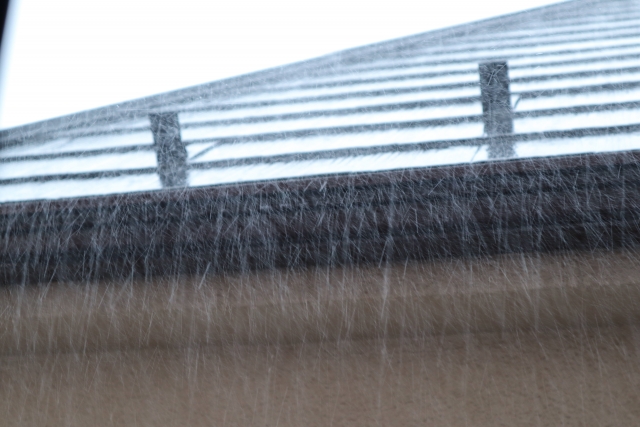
<point x="511" y="340"/>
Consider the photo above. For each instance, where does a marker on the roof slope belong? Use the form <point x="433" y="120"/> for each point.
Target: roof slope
<point x="404" y="104"/>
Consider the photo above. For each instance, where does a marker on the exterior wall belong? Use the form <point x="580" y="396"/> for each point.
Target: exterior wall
<point x="583" y="378"/>
<point x="517" y="340"/>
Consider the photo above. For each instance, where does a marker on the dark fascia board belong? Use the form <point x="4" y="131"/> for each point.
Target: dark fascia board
<point x="584" y="202"/>
<point x="255" y="81"/>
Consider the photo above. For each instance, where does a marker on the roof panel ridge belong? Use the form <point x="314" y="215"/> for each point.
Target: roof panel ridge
<point x="537" y="58"/>
<point x="354" y="151"/>
<point x="628" y="20"/>
<point x="328" y="112"/>
<point x="469" y="67"/>
<point x="471" y="72"/>
<point x="520" y="20"/>
<point x="531" y="41"/>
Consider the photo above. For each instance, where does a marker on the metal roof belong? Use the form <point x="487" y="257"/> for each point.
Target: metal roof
<point x="574" y="71"/>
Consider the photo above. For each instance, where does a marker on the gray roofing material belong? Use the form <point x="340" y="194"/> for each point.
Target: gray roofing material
<point x="409" y="103"/>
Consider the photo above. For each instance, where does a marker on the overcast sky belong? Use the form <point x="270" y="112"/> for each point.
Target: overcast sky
<point x="65" y="56"/>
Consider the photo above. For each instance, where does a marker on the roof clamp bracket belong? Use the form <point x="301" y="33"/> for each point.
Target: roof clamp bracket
<point x="170" y="150"/>
<point x="496" y="108"/>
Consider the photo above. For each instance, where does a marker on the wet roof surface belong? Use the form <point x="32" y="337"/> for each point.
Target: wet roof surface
<point x="574" y="73"/>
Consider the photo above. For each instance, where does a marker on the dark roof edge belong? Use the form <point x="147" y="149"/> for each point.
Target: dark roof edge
<point x="249" y="82"/>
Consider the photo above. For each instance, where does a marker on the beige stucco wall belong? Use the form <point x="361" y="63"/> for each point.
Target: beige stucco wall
<point x="514" y="340"/>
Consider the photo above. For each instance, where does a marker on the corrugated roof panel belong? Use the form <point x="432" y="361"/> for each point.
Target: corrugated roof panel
<point x="400" y="77"/>
<point x="78" y="188"/>
<point x="467" y="86"/>
<point x="223" y="130"/>
<point x="355" y="86"/>
<point x="551" y="70"/>
<point x="301" y="95"/>
<point x="574" y="61"/>
<point x="372" y="100"/>
<point x="573" y="81"/>
<point x="515" y="62"/>
<point x="412" y="103"/>
<point x="78" y="164"/>
<point x="628" y="21"/>
<point x="538" y="44"/>
<point x="331" y="142"/>
<point x="585" y="98"/>
<point x="573" y="121"/>
<point x="556" y="50"/>
<point x="297" y="169"/>
<point x="49" y="147"/>
<point x="79" y="144"/>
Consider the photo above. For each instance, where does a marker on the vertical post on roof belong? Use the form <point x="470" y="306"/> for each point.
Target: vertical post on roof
<point x="170" y="150"/>
<point x="496" y="107"/>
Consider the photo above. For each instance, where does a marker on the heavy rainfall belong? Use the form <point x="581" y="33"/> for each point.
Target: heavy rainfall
<point x="441" y="229"/>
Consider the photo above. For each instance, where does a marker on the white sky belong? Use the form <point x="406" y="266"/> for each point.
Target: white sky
<point x="63" y="56"/>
